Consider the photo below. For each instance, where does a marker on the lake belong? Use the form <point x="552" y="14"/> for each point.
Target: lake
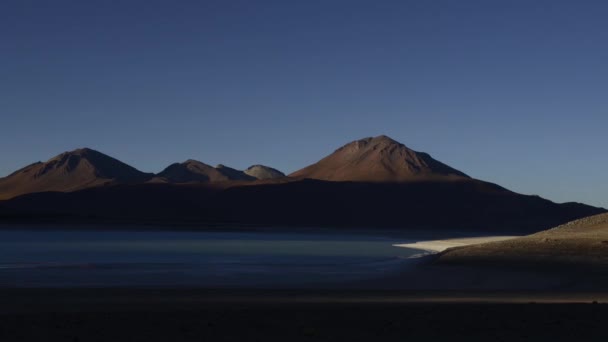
<point x="102" y="258"/>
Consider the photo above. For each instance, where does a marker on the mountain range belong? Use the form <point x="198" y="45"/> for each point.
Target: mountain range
<point x="372" y="182"/>
<point x="86" y="168"/>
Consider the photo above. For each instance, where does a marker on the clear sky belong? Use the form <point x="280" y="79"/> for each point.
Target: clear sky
<point x="512" y="92"/>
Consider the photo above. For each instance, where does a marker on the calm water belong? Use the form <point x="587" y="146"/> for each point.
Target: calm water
<point x="153" y="258"/>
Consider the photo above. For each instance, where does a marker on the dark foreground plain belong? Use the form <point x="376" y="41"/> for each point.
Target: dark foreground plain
<point x="229" y="315"/>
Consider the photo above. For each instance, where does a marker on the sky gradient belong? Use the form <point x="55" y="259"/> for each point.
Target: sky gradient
<point x="512" y="92"/>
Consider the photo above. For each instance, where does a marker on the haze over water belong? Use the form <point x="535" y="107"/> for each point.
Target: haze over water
<point x="56" y="258"/>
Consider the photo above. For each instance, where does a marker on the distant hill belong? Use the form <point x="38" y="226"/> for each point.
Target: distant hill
<point x="196" y="171"/>
<point x="264" y="172"/>
<point x="70" y="171"/>
<point x="378" y="159"/>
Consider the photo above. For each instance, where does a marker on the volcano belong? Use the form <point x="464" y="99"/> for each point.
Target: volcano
<point x="70" y="171"/>
<point x="378" y="159"/>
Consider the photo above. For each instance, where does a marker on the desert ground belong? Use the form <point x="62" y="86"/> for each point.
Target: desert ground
<point x="578" y="244"/>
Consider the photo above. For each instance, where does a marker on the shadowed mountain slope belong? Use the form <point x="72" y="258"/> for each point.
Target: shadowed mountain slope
<point x="70" y="171"/>
<point x="456" y="205"/>
<point x="234" y="174"/>
<point x="379" y="159"/>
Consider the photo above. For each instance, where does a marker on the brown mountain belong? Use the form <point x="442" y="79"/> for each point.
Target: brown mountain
<point x="264" y="172"/>
<point x="378" y="159"/>
<point x="70" y="171"/>
<point x="196" y="171"/>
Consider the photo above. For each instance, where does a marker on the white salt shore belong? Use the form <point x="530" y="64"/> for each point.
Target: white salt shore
<point x="436" y="246"/>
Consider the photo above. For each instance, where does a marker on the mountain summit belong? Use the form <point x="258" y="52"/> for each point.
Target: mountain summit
<point x="70" y="171"/>
<point x="378" y="159"/>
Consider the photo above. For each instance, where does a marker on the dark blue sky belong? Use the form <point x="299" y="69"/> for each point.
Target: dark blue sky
<point x="513" y="92"/>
